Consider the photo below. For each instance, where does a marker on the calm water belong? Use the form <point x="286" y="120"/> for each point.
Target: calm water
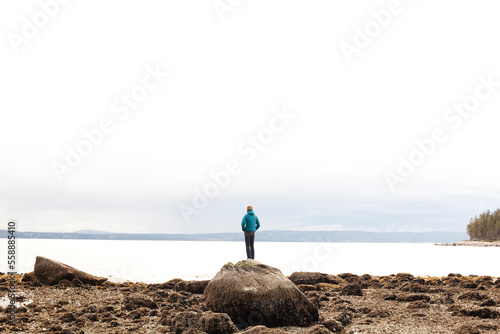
<point x="159" y="261"/>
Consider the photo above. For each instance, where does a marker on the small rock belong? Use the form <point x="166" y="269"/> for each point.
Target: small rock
<point x="318" y="329"/>
<point x="390" y="285"/>
<point x="484" y="313"/>
<point x="417" y="304"/>
<point x="347" y="275"/>
<point x="473" y="295"/>
<point x="448" y="298"/>
<point x="107" y="308"/>
<point x="29" y="277"/>
<point x="355" y="279"/>
<point x="365" y="310"/>
<point x="454" y="275"/>
<point x="76" y="283"/>
<point x="90" y="309"/>
<point x="323" y="297"/>
<point x="326" y="287"/>
<point x="166" y="318"/>
<point x="343" y="317"/>
<point x="64" y="283"/>
<point x="262" y="330"/>
<point x="140" y="312"/>
<point x="185" y="320"/>
<point x="170" y="284"/>
<point x="374" y="284"/>
<point x="467" y="285"/>
<point x="92" y="317"/>
<point x="420" y="315"/>
<point x="452" y="281"/>
<point x="378" y="314"/>
<point x="343" y="308"/>
<point x="217" y="323"/>
<point x="61" y="303"/>
<point x="487" y="327"/>
<point x="352" y="289"/>
<point x="466" y="329"/>
<point x="414" y="287"/>
<point x="136" y="300"/>
<point x="311" y="278"/>
<point x="488" y="302"/>
<point x="366" y="277"/>
<point x="333" y="325"/>
<point x="197" y="287"/>
<point x="390" y="297"/>
<point x="194" y="331"/>
<point x="67" y="317"/>
<point x="175" y="297"/>
<point x="412" y="297"/>
<point x="306" y="287"/>
<point x="404" y="277"/>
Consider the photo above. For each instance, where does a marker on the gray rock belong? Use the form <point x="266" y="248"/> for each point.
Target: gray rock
<point x="186" y="320"/>
<point x="252" y="293"/>
<point x="50" y="272"/>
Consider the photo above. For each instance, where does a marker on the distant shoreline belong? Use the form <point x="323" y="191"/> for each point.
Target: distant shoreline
<point x="471" y="243"/>
<point x="262" y="236"/>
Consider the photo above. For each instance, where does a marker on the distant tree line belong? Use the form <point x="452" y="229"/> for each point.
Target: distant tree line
<point x="485" y="227"/>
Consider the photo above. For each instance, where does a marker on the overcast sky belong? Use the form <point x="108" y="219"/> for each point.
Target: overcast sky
<point x="173" y="116"/>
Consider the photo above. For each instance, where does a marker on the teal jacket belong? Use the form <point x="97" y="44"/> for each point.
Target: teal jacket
<point x="250" y="222"/>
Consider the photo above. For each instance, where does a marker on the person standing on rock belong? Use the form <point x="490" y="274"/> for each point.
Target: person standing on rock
<point x="249" y="225"/>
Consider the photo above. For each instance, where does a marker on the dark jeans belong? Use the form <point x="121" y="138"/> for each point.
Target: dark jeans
<point x="249" y="239"/>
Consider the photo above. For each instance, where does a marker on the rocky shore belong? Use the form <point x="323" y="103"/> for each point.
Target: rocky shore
<point x="346" y="303"/>
<point x="472" y="243"/>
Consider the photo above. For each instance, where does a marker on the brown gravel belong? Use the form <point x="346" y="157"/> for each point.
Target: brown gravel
<point x="387" y="304"/>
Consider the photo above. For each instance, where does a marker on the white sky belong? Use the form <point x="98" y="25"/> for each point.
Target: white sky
<point x="325" y="170"/>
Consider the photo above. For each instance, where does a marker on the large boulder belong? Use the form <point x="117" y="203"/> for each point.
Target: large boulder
<point x="252" y="293"/>
<point x="50" y="272"/>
